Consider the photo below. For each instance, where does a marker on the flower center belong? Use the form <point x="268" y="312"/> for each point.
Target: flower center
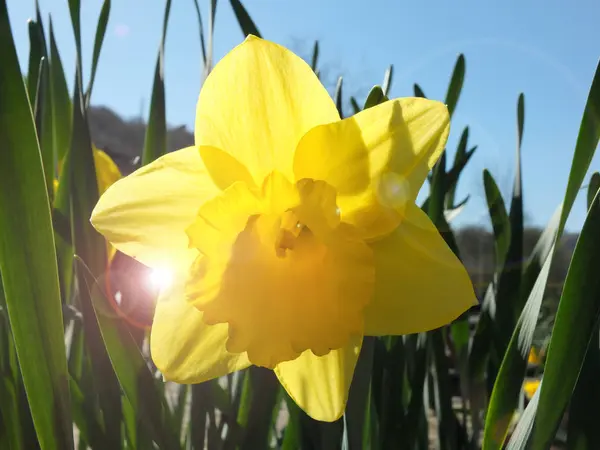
<point x="290" y="281"/>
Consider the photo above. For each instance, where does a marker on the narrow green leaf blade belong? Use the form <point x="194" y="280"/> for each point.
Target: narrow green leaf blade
<point x="593" y="188"/>
<point x="418" y="91"/>
<point x="245" y="21"/>
<point x="61" y="101"/>
<point x="574" y="326"/>
<point x="337" y="97"/>
<point x="155" y="141"/>
<point x="456" y="84"/>
<point x="28" y="259"/>
<point x="387" y="80"/>
<point x="499" y="217"/>
<point x="36" y="53"/>
<point x="507" y="385"/>
<point x="100" y="32"/>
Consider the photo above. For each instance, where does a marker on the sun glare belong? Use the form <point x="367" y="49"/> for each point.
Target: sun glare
<point x="160" y="278"/>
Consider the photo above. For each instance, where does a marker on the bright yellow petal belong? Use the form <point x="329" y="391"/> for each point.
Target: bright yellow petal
<point x="257" y="103"/>
<point x="530" y="386"/>
<point x="377" y="160"/>
<point x="107" y="172"/>
<point x="145" y="214"/>
<point x="320" y="384"/>
<point x="223" y="168"/>
<point x="420" y="284"/>
<point x="183" y="347"/>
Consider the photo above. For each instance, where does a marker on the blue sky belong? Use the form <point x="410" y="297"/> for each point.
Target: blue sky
<point x="548" y="50"/>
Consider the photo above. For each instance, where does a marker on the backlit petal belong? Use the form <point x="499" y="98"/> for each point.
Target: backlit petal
<point x="257" y="103"/>
<point x="420" y="284"/>
<point x="183" y="347"/>
<point x="145" y="214"/>
<point x="107" y="172"/>
<point x="377" y="160"/>
<point x="320" y="384"/>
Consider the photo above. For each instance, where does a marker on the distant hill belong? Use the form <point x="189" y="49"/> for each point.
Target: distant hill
<point x="123" y="139"/>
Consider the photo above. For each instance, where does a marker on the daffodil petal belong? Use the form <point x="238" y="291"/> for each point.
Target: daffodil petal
<point x="257" y="103"/>
<point x="377" y="160"/>
<point x="183" y="347"/>
<point x="145" y="214"/>
<point x="223" y="168"/>
<point x="107" y="172"/>
<point x="320" y="384"/>
<point x="420" y="284"/>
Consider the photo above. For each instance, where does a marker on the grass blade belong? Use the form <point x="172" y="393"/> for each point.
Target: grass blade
<point x="583" y="432"/>
<point x="100" y="32"/>
<point x="75" y="12"/>
<point x="459" y="158"/>
<point x="456" y="84"/>
<point x="36" y="53"/>
<point x="315" y="57"/>
<point x="244" y="19"/>
<point x="500" y="219"/>
<point x="508" y="383"/>
<point x="90" y="246"/>
<point x="418" y="91"/>
<point x="387" y="80"/>
<point x="61" y="102"/>
<point x="574" y="326"/>
<point x="155" y="141"/>
<point x="375" y="97"/>
<point x="201" y="31"/>
<point x="337" y="97"/>
<point x="28" y="259"/>
<point x="593" y="187"/>
<point x="130" y="367"/>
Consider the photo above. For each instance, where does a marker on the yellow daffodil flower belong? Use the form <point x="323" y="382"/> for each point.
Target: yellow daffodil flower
<point x="290" y="233"/>
<point x="534" y="357"/>
<point x="530" y="387"/>
<point x="107" y="173"/>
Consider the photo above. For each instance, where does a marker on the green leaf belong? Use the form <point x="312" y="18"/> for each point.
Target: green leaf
<point x="593" y="188"/>
<point x="28" y="259"/>
<point x="75" y="12"/>
<point x="574" y="327"/>
<point x="499" y="217"/>
<point x="355" y="106"/>
<point x="508" y="382"/>
<point x="509" y="305"/>
<point x="459" y="159"/>
<point x="100" y="32"/>
<point x="456" y="84"/>
<point x="201" y="31"/>
<point x="375" y="97"/>
<point x="244" y="19"/>
<point x="208" y="65"/>
<point x="418" y="91"/>
<point x="155" y="141"/>
<point x="357" y="413"/>
<point x="263" y="391"/>
<point x="583" y="432"/>
<point x="61" y="102"/>
<point x="315" y="57"/>
<point x="130" y="367"/>
<point x="36" y="53"/>
<point x="387" y="80"/>
<point x="43" y="123"/>
<point x="337" y="97"/>
<point x="91" y="248"/>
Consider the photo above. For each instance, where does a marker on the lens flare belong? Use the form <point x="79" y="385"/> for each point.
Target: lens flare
<point x="160" y="278"/>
